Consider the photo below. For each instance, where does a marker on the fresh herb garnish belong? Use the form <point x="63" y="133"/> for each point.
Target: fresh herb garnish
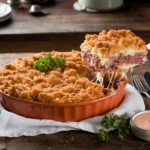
<point x="48" y="63"/>
<point x="103" y="135"/>
<point x="119" y="123"/>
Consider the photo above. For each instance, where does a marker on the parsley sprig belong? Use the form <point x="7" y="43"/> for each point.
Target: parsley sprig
<point x="48" y="63"/>
<point x="119" y="123"/>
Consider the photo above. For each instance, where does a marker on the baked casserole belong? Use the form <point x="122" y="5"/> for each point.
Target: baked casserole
<point x="60" y="85"/>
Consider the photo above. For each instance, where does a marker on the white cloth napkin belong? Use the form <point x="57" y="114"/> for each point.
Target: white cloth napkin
<point x="12" y="125"/>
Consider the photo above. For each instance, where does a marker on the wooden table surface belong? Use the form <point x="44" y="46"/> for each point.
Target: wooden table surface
<point x="63" y="19"/>
<point x="72" y="140"/>
<point x="27" y="33"/>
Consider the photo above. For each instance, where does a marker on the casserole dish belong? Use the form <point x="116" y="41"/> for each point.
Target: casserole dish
<point x="63" y="112"/>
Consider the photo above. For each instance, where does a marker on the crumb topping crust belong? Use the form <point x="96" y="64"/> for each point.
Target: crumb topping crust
<point x="112" y="42"/>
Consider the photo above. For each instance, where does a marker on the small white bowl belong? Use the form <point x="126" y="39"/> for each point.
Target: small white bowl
<point x="139" y="132"/>
<point x="102" y="5"/>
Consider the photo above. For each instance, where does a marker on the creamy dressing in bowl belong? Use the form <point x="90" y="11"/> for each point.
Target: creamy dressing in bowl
<point x="140" y="125"/>
<point x="142" y="120"/>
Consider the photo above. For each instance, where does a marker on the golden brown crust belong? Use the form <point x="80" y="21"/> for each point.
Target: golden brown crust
<point x="20" y="80"/>
<point x="111" y="42"/>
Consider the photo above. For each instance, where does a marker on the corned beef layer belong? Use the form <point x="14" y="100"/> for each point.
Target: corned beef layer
<point x="93" y="61"/>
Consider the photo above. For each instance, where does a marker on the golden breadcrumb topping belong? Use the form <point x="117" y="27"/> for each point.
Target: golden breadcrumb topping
<point x="67" y="85"/>
<point x="109" y="43"/>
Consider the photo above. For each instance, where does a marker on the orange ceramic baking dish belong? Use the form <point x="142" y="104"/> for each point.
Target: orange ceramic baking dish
<point x="63" y="112"/>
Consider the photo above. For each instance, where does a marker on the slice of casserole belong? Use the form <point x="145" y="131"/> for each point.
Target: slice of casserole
<point x="113" y="51"/>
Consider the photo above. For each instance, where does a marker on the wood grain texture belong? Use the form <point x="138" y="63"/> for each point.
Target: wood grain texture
<point x="58" y="42"/>
<point x="73" y="140"/>
<point x="64" y="19"/>
<point x="65" y="28"/>
<point x="2" y="143"/>
<point x="31" y="44"/>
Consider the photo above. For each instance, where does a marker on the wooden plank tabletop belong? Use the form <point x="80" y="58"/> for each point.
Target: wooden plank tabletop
<point x="64" y="29"/>
<point x="135" y="16"/>
<point x="72" y="140"/>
